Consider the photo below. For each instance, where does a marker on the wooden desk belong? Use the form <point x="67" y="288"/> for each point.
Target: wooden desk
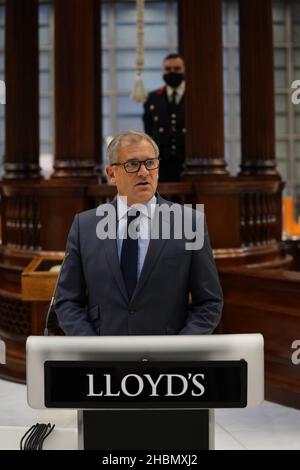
<point x="290" y="245"/>
<point x="37" y="280"/>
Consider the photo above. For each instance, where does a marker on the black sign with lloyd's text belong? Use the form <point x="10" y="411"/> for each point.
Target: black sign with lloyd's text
<point x="82" y="384"/>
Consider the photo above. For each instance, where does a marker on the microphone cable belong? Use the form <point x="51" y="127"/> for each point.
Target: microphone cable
<point x="35" y="436"/>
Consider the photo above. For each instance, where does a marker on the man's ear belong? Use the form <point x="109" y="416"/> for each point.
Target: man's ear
<point x="110" y="171"/>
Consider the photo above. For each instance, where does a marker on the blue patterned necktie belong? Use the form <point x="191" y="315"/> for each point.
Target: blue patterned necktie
<point x="129" y="257"/>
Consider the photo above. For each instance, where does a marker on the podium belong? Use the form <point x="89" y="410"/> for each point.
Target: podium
<point x="145" y="392"/>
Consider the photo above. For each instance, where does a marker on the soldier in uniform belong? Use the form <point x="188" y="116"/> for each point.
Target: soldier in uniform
<point x="164" y="118"/>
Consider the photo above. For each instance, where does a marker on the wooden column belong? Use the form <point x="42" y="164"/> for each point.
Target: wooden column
<point x="201" y="37"/>
<point x="22" y="99"/>
<point x="257" y="88"/>
<point x="78" y="139"/>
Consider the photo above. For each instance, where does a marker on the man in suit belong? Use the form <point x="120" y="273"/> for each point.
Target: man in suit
<point x="164" y="118"/>
<point x="121" y="275"/>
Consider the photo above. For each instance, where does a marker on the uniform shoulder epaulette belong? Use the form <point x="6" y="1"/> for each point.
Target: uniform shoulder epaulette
<point x="160" y="90"/>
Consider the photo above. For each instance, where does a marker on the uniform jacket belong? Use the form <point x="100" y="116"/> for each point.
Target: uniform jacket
<point x="166" y="125"/>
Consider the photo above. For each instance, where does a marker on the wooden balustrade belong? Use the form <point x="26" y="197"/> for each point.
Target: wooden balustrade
<point x="258" y="218"/>
<point x="38" y="217"/>
<point x="22" y="222"/>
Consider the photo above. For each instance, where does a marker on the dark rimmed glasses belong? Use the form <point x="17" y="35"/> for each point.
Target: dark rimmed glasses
<point x="133" y="166"/>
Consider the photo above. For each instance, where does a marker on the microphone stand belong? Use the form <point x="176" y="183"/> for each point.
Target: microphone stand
<point x="46" y="332"/>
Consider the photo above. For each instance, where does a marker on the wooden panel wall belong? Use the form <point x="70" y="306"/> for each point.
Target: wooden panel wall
<point x="267" y="302"/>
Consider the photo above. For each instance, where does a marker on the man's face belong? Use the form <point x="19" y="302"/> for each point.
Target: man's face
<point x="174" y="65"/>
<point x="138" y="187"/>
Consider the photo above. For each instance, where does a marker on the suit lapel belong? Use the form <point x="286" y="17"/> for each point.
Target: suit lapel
<point x="111" y="252"/>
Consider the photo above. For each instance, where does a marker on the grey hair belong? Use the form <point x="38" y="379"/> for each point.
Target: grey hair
<point x="125" y="138"/>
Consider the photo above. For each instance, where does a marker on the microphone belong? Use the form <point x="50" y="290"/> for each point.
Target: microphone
<point x="46" y="332"/>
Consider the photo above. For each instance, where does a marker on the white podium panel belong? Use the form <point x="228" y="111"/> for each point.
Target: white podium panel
<point x="246" y="347"/>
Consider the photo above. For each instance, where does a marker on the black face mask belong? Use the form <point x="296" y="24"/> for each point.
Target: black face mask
<point x="173" y="79"/>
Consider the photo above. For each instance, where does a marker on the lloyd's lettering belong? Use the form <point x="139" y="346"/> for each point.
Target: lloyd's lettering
<point x="145" y="384"/>
<point x="133" y="385"/>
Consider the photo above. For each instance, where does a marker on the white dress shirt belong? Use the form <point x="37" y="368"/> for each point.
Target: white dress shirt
<point x="144" y="227"/>
<point x="179" y="92"/>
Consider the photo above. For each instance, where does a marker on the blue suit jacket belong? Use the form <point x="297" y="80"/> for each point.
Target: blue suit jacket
<point x="92" y="299"/>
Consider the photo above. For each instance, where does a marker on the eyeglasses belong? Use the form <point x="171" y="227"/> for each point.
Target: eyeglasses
<point x="133" y="166"/>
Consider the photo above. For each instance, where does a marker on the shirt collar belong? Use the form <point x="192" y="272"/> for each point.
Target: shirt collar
<point x="179" y="90"/>
<point x="147" y="209"/>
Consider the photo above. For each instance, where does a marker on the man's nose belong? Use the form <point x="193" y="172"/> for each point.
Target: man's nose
<point x="143" y="170"/>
